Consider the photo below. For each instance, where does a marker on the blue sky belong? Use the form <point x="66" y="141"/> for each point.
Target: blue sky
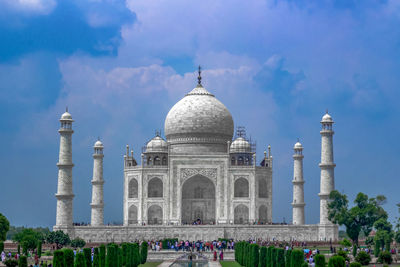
<point x="121" y="65"/>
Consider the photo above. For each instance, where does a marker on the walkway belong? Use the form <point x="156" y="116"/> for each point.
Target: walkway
<point x="210" y="264"/>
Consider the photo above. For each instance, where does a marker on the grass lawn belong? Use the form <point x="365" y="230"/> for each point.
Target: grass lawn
<point x="150" y="264"/>
<point x="230" y="264"/>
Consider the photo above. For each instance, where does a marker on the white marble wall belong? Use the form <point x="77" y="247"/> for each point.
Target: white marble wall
<point x="97" y="205"/>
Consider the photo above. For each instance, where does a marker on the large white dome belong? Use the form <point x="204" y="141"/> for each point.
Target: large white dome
<point x="199" y="117"/>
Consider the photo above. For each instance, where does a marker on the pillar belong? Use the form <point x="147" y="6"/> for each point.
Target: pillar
<point x="97" y="204"/>
<point x="298" y="186"/>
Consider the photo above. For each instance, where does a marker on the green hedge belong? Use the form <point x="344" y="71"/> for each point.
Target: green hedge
<point x="96" y="258"/>
<point x="144" y="247"/>
<point x="320" y="260"/>
<point x="280" y="257"/>
<point x="254" y="255"/>
<point x="87" y="252"/>
<point x="68" y="257"/>
<point x="336" y="261"/>
<point x="297" y="258"/>
<point x="102" y="255"/>
<point x="39" y="249"/>
<point x="79" y="260"/>
<point x="355" y="264"/>
<point x="288" y="258"/>
<point x="170" y="240"/>
<point x="58" y="258"/>
<point x="263" y="257"/>
<point x="23" y="262"/>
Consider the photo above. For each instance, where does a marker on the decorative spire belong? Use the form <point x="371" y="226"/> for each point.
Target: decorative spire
<point x="199" y="78"/>
<point x="327" y="111"/>
<point x="66" y="108"/>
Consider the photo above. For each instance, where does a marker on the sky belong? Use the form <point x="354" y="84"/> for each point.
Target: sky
<point x="120" y="66"/>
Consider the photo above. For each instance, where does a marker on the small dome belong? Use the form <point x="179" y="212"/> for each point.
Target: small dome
<point x="98" y="144"/>
<point x="66" y="116"/>
<point x="327" y="118"/>
<point x="240" y="145"/>
<point x="298" y="145"/>
<point x="157" y="144"/>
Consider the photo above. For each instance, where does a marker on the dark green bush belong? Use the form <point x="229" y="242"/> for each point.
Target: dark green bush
<point x="288" y="258"/>
<point x="377" y="248"/>
<point x="305" y="264"/>
<point x="354" y="250"/>
<point x="355" y="264"/>
<point x="96" y="258"/>
<point x="144" y="247"/>
<point x="11" y="262"/>
<point x="23" y="262"/>
<point x="254" y="255"/>
<point x="19" y="249"/>
<point x="87" y="252"/>
<point x="111" y="258"/>
<point x="79" y="260"/>
<point x="171" y="241"/>
<point x="320" y="260"/>
<point x="343" y="254"/>
<point x="263" y="257"/>
<point x="1" y="246"/>
<point x="39" y="249"/>
<point x="385" y="257"/>
<point x="136" y="255"/>
<point x="273" y="257"/>
<point x="297" y="258"/>
<point x="336" y="261"/>
<point x="280" y="257"/>
<point x="102" y="255"/>
<point x="58" y="258"/>
<point x="363" y="257"/>
<point x="68" y="257"/>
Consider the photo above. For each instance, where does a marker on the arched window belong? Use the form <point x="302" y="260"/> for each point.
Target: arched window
<point x="155" y="188"/>
<point x="154" y="215"/>
<point x="164" y="161"/>
<point x="241" y="188"/>
<point x="240" y="160"/>
<point x="233" y="161"/>
<point x="263" y="214"/>
<point x="133" y="188"/>
<point x="262" y="188"/>
<point x="132" y="215"/>
<point x="157" y="160"/>
<point x="149" y="161"/>
<point x="247" y="161"/>
<point x="241" y="214"/>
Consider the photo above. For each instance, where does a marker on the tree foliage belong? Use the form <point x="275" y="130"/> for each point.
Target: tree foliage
<point x="58" y="258"/>
<point x="23" y="261"/>
<point x="79" y="260"/>
<point x="144" y="247"/>
<point x="336" y="261"/>
<point x="297" y="258"/>
<point x="77" y="243"/>
<point x="360" y="218"/>
<point x="59" y="238"/>
<point x="4" y="227"/>
<point x="363" y="258"/>
<point x="68" y="257"/>
<point x="320" y="260"/>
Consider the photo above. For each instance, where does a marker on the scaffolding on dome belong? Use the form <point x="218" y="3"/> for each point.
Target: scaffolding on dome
<point x="241" y="132"/>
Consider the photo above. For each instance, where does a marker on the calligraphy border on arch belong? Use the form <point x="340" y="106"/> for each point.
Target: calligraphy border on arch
<point x="187" y="173"/>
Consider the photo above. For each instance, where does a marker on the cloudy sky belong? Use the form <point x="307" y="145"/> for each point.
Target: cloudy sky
<point x="121" y="65"/>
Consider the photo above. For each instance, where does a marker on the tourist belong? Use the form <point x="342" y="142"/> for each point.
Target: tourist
<point x="221" y="255"/>
<point x="3" y="256"/>
<point x="215" y="255"/>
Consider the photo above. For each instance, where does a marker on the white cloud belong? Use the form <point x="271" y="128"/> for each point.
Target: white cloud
<point x="41" y="7"/>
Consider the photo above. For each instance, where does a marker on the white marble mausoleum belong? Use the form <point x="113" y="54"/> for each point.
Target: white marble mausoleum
<point x="200" y="182"/>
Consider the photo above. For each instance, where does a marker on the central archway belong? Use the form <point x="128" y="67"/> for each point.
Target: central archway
<point x="198" y="200"/>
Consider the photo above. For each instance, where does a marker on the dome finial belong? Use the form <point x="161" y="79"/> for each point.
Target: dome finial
<point x="66" y="108"/>
<point x="199" y="78"/>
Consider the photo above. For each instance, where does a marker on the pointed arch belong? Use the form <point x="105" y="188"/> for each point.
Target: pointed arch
<point x="133" y="188"/>
<point x="241" y="188"/>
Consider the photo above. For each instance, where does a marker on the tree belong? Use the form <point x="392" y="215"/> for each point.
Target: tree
<point x="336" y="261"/>
<point x="143" y="252"/>
<point x="1" y="246"/>
<point x="359" y="218"/>
<point x="28" y="238"/>
<point x="96" y="258"/>
<point x="39" y="249"/>
<point x="384" y="233"/>
<point x="77" y="243"/>
<point x="58" y="258"/>
<point x="363" y="258"/>
<point x="254" y="255"/>
<point x="345" y="243"/>
<point x="385" y="257"/>
<point x="280" y="257"/>
<point x="4" y="227"/>
<point x="288" y="258"/>
<point x="263" y="257"/>
<point x="102" y="253"/>
<point x="59" y="238"/>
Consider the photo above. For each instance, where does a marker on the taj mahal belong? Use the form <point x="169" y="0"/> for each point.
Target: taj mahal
<point x="202" y="182"/>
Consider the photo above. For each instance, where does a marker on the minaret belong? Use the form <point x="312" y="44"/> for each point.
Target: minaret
<point x="327" y="167"/>
<point x="298" y="185"/>
<point x="64" y="189"/>
<point x="97" y="186"/>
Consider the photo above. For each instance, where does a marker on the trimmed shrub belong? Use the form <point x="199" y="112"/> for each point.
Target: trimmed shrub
<point x="280" y="257"/>
<point x="343" y="254"/>
<point x="263" y="257"/>
<point x="111" y="258"/>
<point x="11" y="262"/>
<point x="254" y="255"/>
<point x="377" y="248"/>
<point x="79" y="260"/>
<point x="355" y="264"/>
<point x="68" y="257"/>
<point x="336" y="261"/>
<point x="320" y="260"/>
<point x="144" y="247"/>
<point x="170" y="241"/>
<point x="354" y="251"/>
<point x="136" y="255"/>
<point x="58" y="259"/>
<point x="273" y="257"/>
<point x="19" y="249"/>
<point x="96" y="258"/>
<point x="102" y="255"/>
<point x="297" y="258"/>
<point x="363" y="257"/>
<point x="1" y="246"/>
<point x="23" y="262"/>
<point x="87" y="252"/>
<point x="305" y="264"/>
<point x="288" y="258"/>
<point x="385" y="257"/>
<point x="39" y="249"/>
